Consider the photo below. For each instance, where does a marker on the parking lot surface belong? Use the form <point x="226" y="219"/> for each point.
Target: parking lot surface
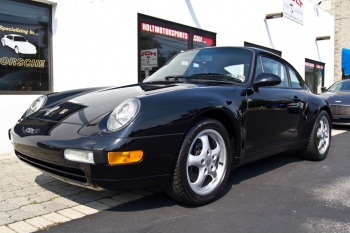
<point x="31" y="201"/>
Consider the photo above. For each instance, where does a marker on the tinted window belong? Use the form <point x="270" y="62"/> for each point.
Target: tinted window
<point x="296" y="80"/>
<point x="25" y="47"/>
<point x="234" y="62"/>
<point x="340" y="86"/>
<point x="269" y="65"/>
<point x="19" y="38"/>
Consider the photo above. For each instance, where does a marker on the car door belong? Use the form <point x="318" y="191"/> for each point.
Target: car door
<point x="272" y="114"/>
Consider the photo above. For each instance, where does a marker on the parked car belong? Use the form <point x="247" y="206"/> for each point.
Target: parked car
<point x="184" y="128"/>
<point x="18" y="43"/>
<point x="338" y="96"/>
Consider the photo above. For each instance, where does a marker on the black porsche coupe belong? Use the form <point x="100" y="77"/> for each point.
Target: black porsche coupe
<point x="184" y="128"/>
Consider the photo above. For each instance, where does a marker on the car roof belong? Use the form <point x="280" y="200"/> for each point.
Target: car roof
<point x="14" y="35"/>
<point x="344" y="81"/>
<point x="254" y="49"/>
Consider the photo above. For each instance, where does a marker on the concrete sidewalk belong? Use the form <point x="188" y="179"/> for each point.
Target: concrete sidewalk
<point x="31" y="200"/>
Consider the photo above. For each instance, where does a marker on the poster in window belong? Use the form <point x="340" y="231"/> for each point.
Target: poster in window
<point x="149" y="58"/>
<point x="24" y="48"/>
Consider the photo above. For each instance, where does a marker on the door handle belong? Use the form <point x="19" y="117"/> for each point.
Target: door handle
<point x="296" y="99"/>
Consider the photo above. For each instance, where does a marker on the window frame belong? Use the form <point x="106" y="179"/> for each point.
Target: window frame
<point x="50" y="55"/>
<point x="167" y="24"/>
<point x="298" y="77"/>
<point x="260" y="58"/>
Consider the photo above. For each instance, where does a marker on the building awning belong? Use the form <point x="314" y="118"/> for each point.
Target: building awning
<point x="345" y="61"/>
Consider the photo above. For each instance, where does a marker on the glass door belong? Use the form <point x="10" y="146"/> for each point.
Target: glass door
<point x="314" y="75"/>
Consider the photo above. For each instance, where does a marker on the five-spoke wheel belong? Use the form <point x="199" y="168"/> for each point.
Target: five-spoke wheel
<point x="203" y="164"/>
<point x="320" y="139"/>
<point x="323" y="135"/>
<point x="206" y="162"/>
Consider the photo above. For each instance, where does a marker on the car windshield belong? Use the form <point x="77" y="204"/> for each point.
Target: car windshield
<point x="226" y="64"/>
<point x="19" y="38"/>
<point x="340" y="86"/>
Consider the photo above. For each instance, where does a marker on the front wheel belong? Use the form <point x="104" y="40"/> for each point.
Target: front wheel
<point x="16" y="49"/>
<point x="320" y="139"/>
<point x="3" y="42"/>
<point x="203" y="164"/>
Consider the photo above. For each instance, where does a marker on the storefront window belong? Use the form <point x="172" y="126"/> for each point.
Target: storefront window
<point x="160" y="41"/>
<point x="314" y="75"/>
<point x="25" y="50"/>
<point x="159" y="45"/>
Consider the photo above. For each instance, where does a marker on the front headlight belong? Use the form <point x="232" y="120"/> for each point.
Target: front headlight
<point x="123" y="114"/>
<point x="36" y="105"/>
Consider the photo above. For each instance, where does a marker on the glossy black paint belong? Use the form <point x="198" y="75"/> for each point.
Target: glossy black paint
<point x="77" y="120"/>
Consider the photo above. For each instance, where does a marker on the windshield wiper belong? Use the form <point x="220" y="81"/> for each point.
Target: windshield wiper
<point x="206" y="76"/>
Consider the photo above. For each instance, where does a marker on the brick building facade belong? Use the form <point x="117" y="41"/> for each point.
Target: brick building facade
<point x="341" y="11"/>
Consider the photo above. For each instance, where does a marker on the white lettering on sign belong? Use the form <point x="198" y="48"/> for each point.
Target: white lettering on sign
<point x="203" y="39"/>
<point x="164" y="31"/>
<point x="197" y="38"/>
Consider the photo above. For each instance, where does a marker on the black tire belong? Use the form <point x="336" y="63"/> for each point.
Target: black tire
<point x="320" y="139"/>
<point x="202" y="165"/>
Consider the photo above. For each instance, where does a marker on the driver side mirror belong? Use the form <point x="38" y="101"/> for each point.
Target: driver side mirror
<point x="265" y="79"/>
<point x="323" y="89"/>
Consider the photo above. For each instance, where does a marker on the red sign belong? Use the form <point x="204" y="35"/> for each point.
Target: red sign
<point x="164" y="31"/>
<point x="309" y="64"/>
<point x="299" y="2"/>
<point x="203" y="39"/>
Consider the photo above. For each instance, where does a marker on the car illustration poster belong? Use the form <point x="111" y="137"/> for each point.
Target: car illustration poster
<point x="23" y="57"/>
<point x="294" y="10"/>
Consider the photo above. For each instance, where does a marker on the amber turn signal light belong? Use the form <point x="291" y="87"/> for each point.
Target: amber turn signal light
<point x="125" y="157"/>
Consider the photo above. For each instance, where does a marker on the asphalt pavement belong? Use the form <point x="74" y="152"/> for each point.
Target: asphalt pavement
<point x="281" y="193"/>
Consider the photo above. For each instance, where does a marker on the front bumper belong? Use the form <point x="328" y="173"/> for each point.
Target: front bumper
<point x="341" y="120"/>
<point x="341" y="114"/>
<point x="46" y="154"/>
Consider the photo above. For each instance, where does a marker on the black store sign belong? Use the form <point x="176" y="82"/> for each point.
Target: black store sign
<point x="24" y="49"/>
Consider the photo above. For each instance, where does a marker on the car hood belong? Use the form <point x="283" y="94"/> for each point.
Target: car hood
<point x="336" y="97"/>
<point x="87" y="107"/>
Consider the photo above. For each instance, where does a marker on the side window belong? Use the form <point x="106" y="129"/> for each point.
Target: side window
<point x="296" y="80"/>
<point x="275" y="67"/>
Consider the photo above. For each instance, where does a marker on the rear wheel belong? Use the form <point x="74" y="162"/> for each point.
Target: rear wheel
<point x="203" y="164"/>
<point x="320" y="139"/>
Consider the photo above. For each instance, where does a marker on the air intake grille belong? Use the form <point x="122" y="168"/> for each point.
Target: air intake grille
<point x="73" y="174"/>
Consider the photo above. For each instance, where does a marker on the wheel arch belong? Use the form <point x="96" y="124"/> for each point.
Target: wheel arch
<point x="328" y="110"/>
<point x="232" y="127"/>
